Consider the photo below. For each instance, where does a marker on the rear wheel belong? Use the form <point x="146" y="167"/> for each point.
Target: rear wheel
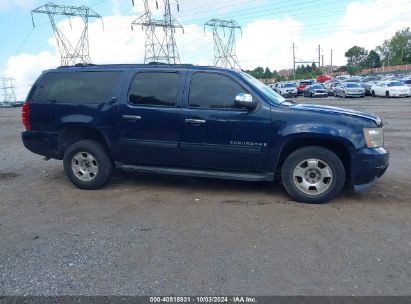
<point x="387" y="94"/>
<point x="373" y="93"/>
<point x="87" y="164"/>
<point x="313" y="175"/>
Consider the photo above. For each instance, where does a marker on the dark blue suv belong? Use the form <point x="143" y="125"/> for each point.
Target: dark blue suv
<point x="197" y="121"/>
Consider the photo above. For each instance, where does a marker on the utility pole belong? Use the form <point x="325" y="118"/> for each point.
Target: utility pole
<point x="322" y="60"/>
<point x="224" y="48"/>
<point x="331" y="69"/>
<point x="293" y="60"/>
<point x="319" y="55"/>
<point x="70" y="55"/>
<point x="159" y="47"/>
<point x="7" y="86"/>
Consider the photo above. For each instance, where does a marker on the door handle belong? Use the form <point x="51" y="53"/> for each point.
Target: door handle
<point x="195" y="121"/>
<point x="131" y="117"/>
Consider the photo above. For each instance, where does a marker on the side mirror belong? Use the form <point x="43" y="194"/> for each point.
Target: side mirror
<point x="245" y="101"/>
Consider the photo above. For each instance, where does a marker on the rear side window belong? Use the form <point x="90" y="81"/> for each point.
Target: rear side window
<point x="76" y="87"/>
<point x="213" y="91"/>
<point x="154" y="89"/>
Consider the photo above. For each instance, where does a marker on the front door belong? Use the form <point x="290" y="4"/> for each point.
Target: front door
<point x="150" y="118"/>
<point x="216" y="133"/>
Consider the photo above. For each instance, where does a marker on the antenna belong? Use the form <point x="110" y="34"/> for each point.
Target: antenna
<point x="70" y="55"/>
<point x="159" y="47"/>
<point x="224" y="46"/>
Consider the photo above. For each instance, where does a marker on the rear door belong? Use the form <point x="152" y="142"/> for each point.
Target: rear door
<point x="216" y="133"/>
<point x="150" y="117"/>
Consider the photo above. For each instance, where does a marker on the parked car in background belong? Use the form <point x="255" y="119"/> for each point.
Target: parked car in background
<point x="390" y="89"/>
<point x="343" y="77"/>
<point x="331" y="88"/>
<point x="349" y="89"/>
<point x="287" y="89"/>
<point x="315" y="90"/>
<point x="367" y="86"/>
<point x="407" y="82"/>
<point x="323" y="78"/>
<point x="302" y="84"/>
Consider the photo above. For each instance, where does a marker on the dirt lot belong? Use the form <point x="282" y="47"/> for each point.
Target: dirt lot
<point x="149" y="234"/>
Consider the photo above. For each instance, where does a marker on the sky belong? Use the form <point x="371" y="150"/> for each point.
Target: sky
<point x="269" y="29"/>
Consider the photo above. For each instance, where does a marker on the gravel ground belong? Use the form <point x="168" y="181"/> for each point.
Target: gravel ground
<point x="150" y="234"/>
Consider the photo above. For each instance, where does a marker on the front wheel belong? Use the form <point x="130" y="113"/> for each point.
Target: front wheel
<point x="387" y="94"/>
<point x="313" y="175"/>
<point x="87" y="164"/>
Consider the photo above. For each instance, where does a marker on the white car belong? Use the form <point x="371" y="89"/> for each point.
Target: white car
<point x="287" y="90"/>
<point x="392" y="88"/>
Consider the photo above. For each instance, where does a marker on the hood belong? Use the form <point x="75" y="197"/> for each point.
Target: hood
<point x="335" y="110"/>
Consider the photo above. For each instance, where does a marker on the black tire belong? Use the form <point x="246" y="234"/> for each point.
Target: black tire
<point x="102" y="162"/>
<point x="373" y="94"/>
<point x="387" y="94"/>
<point x="325" y="156"/>
<point x="343" y="95"/>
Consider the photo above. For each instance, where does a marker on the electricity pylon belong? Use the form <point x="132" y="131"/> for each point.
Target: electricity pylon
<point x="224" y="43"/>
<point x="7" y="86"/>
<point x="70" y="55"/>
<point x="159" y="47"/>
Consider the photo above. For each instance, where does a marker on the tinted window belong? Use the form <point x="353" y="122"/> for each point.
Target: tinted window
<point x="158" y="89"/>
<point x="407" y="81"/>
<point x="213" y="91"/>
<point x="76" y="87"/>
<point x="395" y="84"/>
<point x="353" y="85"/>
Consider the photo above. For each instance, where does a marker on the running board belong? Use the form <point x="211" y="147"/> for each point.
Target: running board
<point x="252" y="177"/>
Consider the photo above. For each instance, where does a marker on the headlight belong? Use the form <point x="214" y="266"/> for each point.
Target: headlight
<point x="374" y="137"/>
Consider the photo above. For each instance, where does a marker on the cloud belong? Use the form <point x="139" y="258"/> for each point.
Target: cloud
<point x="22" y="4"/>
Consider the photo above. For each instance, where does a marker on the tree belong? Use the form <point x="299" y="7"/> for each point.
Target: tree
<point x="356" y="58"/>
<point x="397" y="50"/>
<point x="373" y="60"/>
<point x="267" y="74"/>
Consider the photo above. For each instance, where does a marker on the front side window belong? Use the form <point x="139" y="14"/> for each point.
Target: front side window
<point x="209" y="90"/>
<point x="154" y="89"/>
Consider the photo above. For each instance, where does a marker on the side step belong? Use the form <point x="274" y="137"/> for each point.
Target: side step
<point x="252" y="177"/>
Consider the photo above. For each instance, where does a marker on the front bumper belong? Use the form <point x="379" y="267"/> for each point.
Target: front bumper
<point x="289" y="94"/>
<point x="367" y="165"/>
<point x="320" y="94"/>
<point x="42" y="143"/>
<point x="355" y="94"/>
<point x="399" y="94"/>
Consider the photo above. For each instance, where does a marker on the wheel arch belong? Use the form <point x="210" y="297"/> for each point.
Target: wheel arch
<point x="340" y="148"/>
<point x="72" y="133"/>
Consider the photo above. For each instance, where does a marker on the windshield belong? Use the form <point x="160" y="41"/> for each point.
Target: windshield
<point x="352" y="85"/>
<point x="395" y="84"/>
<point x="287" y="85"/>
<point x="263" y="89"/>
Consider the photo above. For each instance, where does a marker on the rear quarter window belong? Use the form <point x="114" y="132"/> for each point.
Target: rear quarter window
<point x="76" y="87"/>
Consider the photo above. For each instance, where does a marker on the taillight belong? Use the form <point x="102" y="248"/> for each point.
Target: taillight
<point x="25" y="116"/>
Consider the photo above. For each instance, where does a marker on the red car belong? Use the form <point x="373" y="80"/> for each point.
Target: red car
<point x="302" y="84"/>
<point x="323" y="78"/>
